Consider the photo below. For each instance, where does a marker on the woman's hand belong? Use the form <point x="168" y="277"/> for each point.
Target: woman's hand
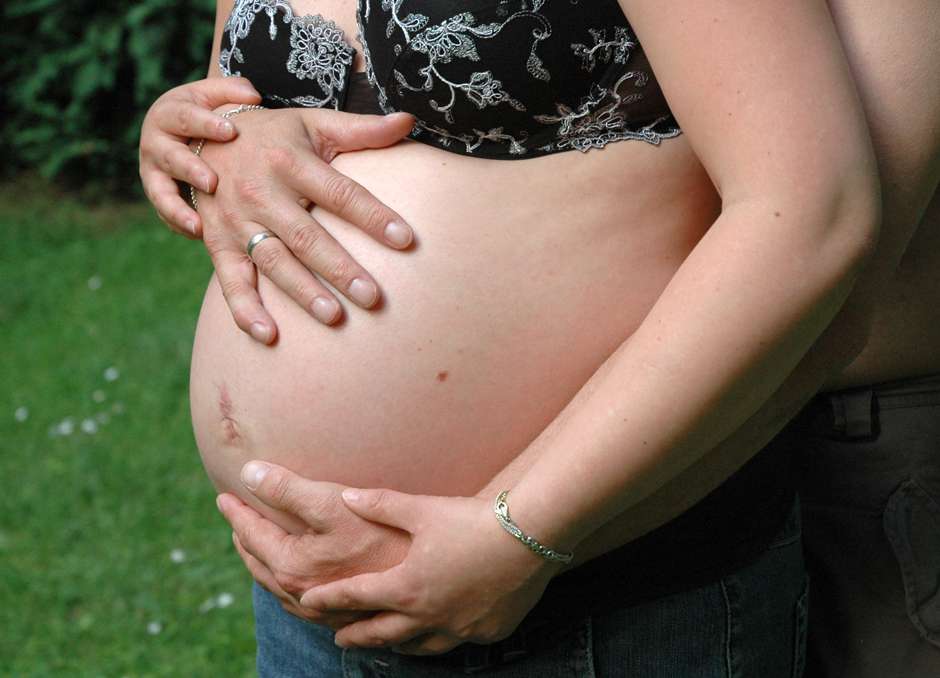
<point x="182" y="113"/>
<point x="334" y="542"/>
<point x="464" y="578"/>
<point x="268" y="177"/>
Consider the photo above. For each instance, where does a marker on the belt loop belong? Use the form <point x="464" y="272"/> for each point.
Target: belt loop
<point x="854" y="413"/>
<point x="477" y="658"/>
<point x="513" y="647"/>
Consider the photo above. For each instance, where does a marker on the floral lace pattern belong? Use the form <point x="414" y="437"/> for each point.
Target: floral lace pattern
<point x="319" y="50"/>
<point x="239" y="23"/>
<point x="527" y="100"/>
<point x="617" y="49"/>
<point x="494" y="78"/>
<point x="600" y="119"/>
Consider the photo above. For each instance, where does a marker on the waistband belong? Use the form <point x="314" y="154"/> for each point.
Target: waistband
<point x="854" y="413"/>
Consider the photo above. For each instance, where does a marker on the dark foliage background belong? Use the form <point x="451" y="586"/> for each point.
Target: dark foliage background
<point x="78" y="75"/>
<point x="113" y="559"/>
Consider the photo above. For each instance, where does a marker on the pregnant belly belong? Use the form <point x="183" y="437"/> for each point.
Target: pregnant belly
<point x="519" y="288"/>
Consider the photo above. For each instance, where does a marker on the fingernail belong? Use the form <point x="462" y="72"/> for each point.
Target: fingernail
<point x="218" y="502"/>
<point x="325" y="310"/>
<point x="226" y="128"/>
<point x="363" y="292"/>
<point x="205" y="185"/>
<point x="260" y="332"/>
<point x="351" y="495"/>
<point x="253" y="473"/>
<point x="398" y="235"/>
<point x="191" y="226"/>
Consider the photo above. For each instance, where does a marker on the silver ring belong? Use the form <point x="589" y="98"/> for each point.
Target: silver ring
<point x="257" y="238"/>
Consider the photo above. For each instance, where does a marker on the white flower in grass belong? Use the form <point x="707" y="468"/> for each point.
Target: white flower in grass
<point x="154" y="628"/>
<point x="177" y="555"/>
<point x="94" y="283"/>
<point x="99" y="396"/>
<point x="222" y="600"/>
<point x="66" y="427"/>
<point x="21" y="414"/>
<point x="112" y="374"/>
<point x="89" y="426"/>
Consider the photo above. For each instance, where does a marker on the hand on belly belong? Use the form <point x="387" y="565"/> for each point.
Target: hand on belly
<point x="333" y="544"/>
<point x="462" y="578"/>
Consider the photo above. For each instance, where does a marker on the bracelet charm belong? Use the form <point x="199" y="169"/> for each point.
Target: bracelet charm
<point x="501" y="509"/>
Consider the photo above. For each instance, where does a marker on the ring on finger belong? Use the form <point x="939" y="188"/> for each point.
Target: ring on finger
<point x="256" y="239"/>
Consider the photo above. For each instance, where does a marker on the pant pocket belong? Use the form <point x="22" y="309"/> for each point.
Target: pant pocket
<point x="792" y="530"/>
<point x="912" y="525"/>
<point x="562" y="649"/>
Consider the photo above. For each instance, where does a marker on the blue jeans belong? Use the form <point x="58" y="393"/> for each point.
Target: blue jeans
<point x="749" y="623"/>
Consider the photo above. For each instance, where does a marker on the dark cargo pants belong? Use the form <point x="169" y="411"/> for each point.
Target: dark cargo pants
<point x="870" y="489"/>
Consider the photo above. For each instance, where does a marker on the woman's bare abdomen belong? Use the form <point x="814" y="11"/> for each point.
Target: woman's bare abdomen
<point x="526" y="276"/>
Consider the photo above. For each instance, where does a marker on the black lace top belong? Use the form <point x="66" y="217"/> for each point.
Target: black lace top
<point x="491" y="78"/>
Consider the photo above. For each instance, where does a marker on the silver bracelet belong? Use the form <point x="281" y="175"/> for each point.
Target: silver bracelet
<point x="501" y="509"/>
<point x="202" y="142"/>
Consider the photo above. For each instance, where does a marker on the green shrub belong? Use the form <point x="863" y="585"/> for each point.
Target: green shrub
<point x="78" y="77"/>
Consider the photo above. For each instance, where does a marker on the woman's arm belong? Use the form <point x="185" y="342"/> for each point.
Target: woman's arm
<point x="886" y="46"/>
<point x="222" y="10"/>
<point x="799" y="217"/>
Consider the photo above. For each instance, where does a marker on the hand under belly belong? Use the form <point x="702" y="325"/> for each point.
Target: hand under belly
<point x="487" y="328"/>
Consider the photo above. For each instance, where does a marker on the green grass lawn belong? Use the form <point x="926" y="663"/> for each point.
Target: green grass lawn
<point x="113" y="558"/>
